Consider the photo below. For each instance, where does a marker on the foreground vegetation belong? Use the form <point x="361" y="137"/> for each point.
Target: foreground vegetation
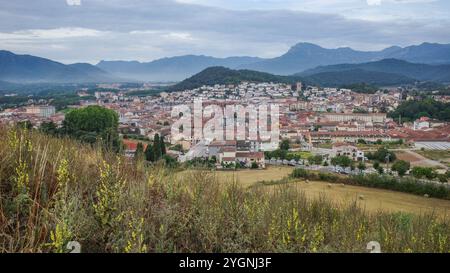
<point x="56" y="190"/>
<point x="403" y="184"/>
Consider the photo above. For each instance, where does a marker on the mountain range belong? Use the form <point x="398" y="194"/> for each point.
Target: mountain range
<point x="170" y="69"/>
<point x="305" y="56"/>
<point x="30" y="69"/>
<point x="421" y="72"/>
<point x="386" y="72"/>
<point x="300" y="57"/>
<point x="425" y="62"/>
<point x="223" y="75"/>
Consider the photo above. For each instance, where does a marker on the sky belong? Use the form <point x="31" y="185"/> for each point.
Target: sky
<point x="72" y="31"/>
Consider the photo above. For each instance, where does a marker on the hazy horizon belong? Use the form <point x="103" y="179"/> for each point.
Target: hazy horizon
<point x="71" y="31"/>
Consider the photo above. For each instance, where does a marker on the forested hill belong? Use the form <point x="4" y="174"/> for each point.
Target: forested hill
<point x="222" y="75"/>
<point x="414" y="109"/>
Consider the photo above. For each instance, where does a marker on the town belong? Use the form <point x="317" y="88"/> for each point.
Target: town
<point x="324" y="122"/>
<point x="249" y="129"/>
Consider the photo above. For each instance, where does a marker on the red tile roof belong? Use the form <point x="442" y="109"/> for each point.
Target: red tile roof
<point x="131" y="145"/>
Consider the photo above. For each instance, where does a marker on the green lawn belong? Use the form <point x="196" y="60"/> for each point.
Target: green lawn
<point x="302" y="154"/>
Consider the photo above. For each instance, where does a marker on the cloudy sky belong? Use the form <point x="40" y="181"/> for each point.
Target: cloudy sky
<point x="93" y="30"/>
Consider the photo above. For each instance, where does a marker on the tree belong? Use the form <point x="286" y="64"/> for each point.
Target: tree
<point x="157" y="148"/>
<point x="162" y="145"/>
<point x="149" y="155"/>
<point x="254" y="165"/>
<point x="49" y="128"/>
<point x="315" y="159"/>
<point x="170" y="161"/>
<point x="284" y="145"/>
<point x="420" y="172"/>
<point x="342" y="161"/>
<point x="381" y="155"/>
<point x="380" y="169"/>
<point x="442" y="178"/>
<point x="139" y="154"/>
<point x="401" y="167"/>
<point x="361" y="166"/>
<point x="376" y="165"/>
<point x="428" y="107"/>
<point x="25" y="124"/>
<point x="361" y="141"/>
<point x="282" y="154"/>
<point x="93" y="123"/>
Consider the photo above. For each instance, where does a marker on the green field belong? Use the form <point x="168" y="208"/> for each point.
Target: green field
<point x="302" y="154"/>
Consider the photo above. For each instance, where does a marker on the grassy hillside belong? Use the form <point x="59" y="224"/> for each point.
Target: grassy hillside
<point x="57" y="190"/>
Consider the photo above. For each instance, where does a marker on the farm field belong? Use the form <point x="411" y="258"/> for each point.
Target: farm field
<point x="420" y="160"/>
<point x="249" y="177"/>
<point x="437" y="155"/>
<point x="374" y="199"/>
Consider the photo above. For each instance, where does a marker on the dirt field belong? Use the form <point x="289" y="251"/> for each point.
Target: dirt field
<point x="419" y="160"/>
<point x="438" y="155"/>
<point x="250" y="177"/>
<point x="374" y="199"/>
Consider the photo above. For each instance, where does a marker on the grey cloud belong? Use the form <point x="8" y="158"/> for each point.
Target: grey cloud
<point x="144" y="30"/>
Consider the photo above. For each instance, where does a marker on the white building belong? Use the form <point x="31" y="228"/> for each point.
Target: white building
<point x="345" y="149"/>
<point x="42" y="111"/>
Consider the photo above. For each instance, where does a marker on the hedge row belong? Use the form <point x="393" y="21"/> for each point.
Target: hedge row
<point x="408" y="185"/>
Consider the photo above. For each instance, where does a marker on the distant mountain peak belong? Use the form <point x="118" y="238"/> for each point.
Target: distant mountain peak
<point x="174" y="68"/>
<point x="304" y="56"/>
<point x="421" y="72"/>
<point x="6" y="52"/>
<point x="304" y="46"/>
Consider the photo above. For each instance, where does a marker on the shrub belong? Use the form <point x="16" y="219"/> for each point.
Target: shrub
<point x="343" y="161"/>
<point x="442" y="178"/>
<point x="381" y="155"/>
<point x="315" y="159"/>
<point x="421" y="172"/>
<point x="401" y="167"/>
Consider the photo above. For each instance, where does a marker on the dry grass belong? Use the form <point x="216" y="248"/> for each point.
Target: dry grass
<point x="249" y="177"/>
<point x="53" y="191"/>
<point x="375" y="199"/>
<point x="437" y="155"/>
<point x="423" y="159"/>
